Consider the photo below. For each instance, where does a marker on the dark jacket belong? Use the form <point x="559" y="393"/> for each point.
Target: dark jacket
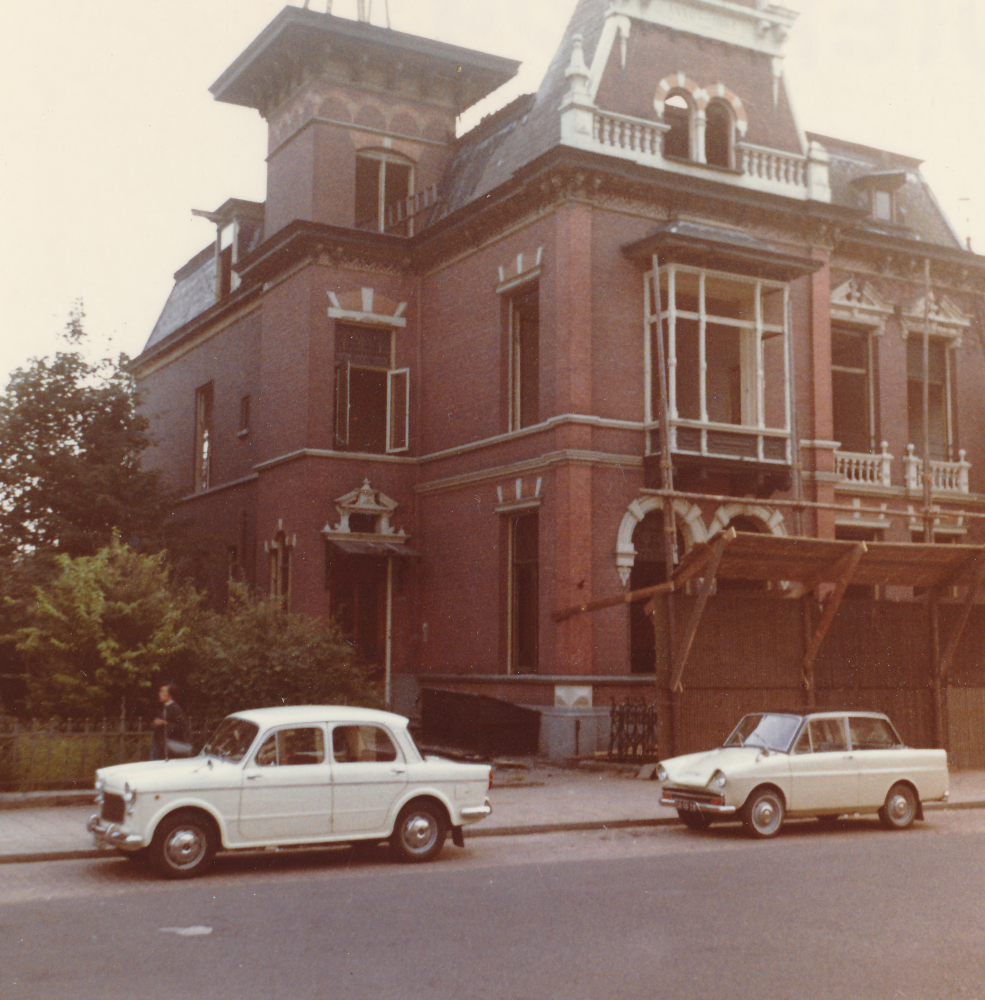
<point x="176" y="728"/>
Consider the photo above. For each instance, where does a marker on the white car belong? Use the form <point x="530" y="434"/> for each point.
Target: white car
<point x="290" y="777"/>
<point x="805" y="764"/>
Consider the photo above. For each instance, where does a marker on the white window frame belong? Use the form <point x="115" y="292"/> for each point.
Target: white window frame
<point x="383" y="157"/>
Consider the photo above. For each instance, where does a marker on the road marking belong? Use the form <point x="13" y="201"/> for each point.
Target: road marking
<point x="196" y="931"/>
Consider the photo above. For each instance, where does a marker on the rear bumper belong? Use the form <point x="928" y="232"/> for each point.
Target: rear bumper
<point x="112" y="835"/>
<point x="472" y="814"/>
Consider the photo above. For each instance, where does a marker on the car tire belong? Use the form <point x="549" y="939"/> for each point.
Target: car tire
<point x="184" y="845"/>
<point x="694" y="820"/>
<point x="763" y="813"/>
<point x="901" y="807"/>
<point x="420" y="831"/>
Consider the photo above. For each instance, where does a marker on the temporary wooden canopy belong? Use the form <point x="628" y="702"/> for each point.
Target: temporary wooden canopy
<point x="796" y="566"/>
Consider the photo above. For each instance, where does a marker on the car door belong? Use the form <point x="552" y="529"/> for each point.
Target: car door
<point x="823" y="773"/>
<point x="287" y="788"/>
<point x="873" y="740"/>
<point x="368" y="774"/>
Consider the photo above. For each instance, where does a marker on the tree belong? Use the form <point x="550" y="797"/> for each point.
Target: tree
<point x="71" y="438"/>
<point x="256" y="654"/>
<point x="105" y="631"/>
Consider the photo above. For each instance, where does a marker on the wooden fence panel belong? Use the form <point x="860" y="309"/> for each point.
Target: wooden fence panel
<point x="966" y="710"/>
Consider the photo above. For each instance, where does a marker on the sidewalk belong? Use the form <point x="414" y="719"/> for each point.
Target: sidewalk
<point x="534" y="799"/>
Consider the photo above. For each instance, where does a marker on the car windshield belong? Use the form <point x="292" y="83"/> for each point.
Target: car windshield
<point x="232" y="739"/>
<point x="768" y="731"/>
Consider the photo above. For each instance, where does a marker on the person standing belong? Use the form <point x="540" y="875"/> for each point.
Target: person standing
<point x="170" y="723"/>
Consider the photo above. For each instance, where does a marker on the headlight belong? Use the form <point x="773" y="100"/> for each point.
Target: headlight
<point x="718" y="780"/>
<point x="100" y="784"/>
<point x="661" y="774"/>
<point x="129" y="796"/>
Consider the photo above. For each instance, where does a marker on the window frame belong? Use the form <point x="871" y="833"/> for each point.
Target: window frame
<point x="204" y="437"/>
<point x="517" y="375"/>
<point x="383" y="157"/>
<point x="871" y="384"/>
<point x="513" y="665"/>
<point x="946" y="346"/>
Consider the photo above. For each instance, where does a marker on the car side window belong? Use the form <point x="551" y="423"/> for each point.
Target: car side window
<point x="362" y="744"/>
<point x="871" y="734"/>
<point x="804" y="743"/>
<point x="292" y="747"/>
<point x="828" y="735"/>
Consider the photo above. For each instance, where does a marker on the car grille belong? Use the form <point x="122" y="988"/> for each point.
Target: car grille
<point x="692" y="795"/>
<point x="113" y="808"/>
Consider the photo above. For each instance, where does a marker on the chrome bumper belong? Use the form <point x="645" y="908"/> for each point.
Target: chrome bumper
<point x="694" y="805"/>
<point x="112" y="835"/>
<point x="472" y="814"/>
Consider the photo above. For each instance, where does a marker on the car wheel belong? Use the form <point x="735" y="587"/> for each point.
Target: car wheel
<point x="420" y="832"/>
<point x="184" y="845"/>
<point x="763" y="813"/>
<point x="900" y="809"/>
<point x="694" y="820"/>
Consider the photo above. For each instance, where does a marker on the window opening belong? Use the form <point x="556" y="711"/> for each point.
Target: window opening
<point x="525" y="359"/>
<point x="244" y="415"/>
<point x="882" y="205"/>
<point x="383" y="180"/>
<point x="677" y="114"/>
<point x="224" y="262"/>
<point x="280" y="568"/>
<point x="203" y="436"/>
<point x="851" y="390"/>
<point x="362" y="745"/>
<point x="292" y="748"/>
<point x="939" y="397"/>
<point x="649" y="569"/>
<point x="524" y="593"/>
<point x="372" y="399"/>
<point x="719" y="131"/>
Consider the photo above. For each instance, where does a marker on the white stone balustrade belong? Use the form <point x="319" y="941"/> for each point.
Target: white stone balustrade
<point x="864" y="468"/>
<point x="948" y="477"/>
<point x="771" y="165"/>
<point x="633" y="135"/>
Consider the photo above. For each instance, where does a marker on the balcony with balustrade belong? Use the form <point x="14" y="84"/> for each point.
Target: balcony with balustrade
<point x="947" y="477"/>
<point x="863" y="468"/>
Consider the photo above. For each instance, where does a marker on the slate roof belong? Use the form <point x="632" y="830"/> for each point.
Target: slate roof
<point x="192" y="294"/>
<point x="917" y="208"/>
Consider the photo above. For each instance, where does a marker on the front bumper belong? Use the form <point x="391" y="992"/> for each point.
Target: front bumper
<point x="112" y="835"/>
<point x="472" y="814"/>
<point x="688" y="800"/>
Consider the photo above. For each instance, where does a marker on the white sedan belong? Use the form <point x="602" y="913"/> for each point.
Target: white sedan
<point x="290" y="777"/>
<point x="805" y="764"/>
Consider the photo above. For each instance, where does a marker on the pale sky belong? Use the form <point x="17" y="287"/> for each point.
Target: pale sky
<point x="110" y="136"/>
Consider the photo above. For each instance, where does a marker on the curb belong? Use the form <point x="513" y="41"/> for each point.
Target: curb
<point x="46" y="800"/>
<point x="526" y="830"/>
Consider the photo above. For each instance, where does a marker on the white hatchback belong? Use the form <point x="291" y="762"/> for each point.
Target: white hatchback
<point x="290" y="776"/>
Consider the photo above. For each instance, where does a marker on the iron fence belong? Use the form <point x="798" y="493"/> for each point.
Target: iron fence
<point x="47" y="756"/>
<point x="633" y="732"/>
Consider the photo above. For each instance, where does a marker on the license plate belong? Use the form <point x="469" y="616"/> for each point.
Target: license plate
<point x="687" y="805"/>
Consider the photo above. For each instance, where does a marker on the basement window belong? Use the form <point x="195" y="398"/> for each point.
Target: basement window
<point x="384" y="183"/>
<point x="372" y="398"/>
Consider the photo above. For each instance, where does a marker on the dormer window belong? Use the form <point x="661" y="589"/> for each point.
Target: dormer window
<point x="384" y="183"/>
<point x="677" y="114"/>
<point x="879" y="189"/>
<point x="882" y="205"/>
<point x="719" y="133"/>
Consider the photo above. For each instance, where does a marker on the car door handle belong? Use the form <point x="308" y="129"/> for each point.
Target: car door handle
<point x="397" y="770"/>
<point x="253" y="777"/>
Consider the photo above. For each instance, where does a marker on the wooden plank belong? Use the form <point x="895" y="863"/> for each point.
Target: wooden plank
<point x="720" y="545"/>
<point x="847" y="570"/>
<point x="611" y="602"/>
<point x="952" y="646"/>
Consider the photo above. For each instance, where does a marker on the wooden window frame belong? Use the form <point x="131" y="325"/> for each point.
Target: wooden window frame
<point x="383" y="157"/>
<point x="204" y="436"/>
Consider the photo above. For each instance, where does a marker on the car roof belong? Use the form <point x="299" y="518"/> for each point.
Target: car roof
<point x="319" y="713"/>
<point x="825" y="713"/>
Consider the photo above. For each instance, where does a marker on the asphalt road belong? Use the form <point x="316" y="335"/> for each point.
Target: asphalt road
<point x="853" y="913"/>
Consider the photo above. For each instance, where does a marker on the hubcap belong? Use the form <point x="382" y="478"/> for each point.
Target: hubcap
<point x="185" y="847"/>
<point x="764" y="815"/>
<point x="419" y="832"/>
<point x="899" y="807"/>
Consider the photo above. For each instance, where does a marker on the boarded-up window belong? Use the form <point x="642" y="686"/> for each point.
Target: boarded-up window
<point x="525" y="359"/>
<point x="524" y="593"/>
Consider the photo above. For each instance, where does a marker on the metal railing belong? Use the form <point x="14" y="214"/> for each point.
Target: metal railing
<point x="633" y="732"/>
<point x="45" y="756"/>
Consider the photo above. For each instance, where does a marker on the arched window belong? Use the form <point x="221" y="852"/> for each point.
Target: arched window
<point x="719" y="132"/>
<point x="384" y="182"/>
<point x="678" y="115"/>
<point x="649" y="569"/>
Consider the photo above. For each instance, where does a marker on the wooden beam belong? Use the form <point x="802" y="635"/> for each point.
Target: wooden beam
<point x="845" y="572"/>
<point x="611" y="602"/>
<point x="952" y="647"/>
<point x="718" y="550"/>
<point x="806" y="586"/>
